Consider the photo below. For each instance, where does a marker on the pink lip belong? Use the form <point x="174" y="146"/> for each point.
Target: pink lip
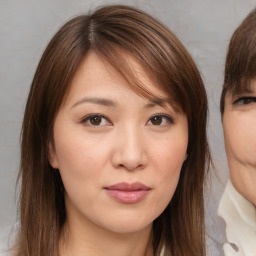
<point x="128" y="193"/>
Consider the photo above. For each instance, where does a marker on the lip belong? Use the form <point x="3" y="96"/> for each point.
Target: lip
<point x="128" y="193"/>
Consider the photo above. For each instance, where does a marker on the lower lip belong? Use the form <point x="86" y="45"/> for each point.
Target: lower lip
<point x="128" y="197"/>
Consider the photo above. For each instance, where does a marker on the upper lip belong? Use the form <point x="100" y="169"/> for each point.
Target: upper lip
<point x="124" y="186"/>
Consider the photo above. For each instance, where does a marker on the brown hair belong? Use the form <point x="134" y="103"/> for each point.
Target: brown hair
<point x="112" y="31"/>
<point x="240" y="66"/>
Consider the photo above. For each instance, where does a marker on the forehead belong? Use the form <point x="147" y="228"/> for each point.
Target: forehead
<point x="94" y="73"/>
<point x="243" y="88"/>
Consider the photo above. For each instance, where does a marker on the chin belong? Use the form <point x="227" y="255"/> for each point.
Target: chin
<point x="128" y="225"/>
<point x="126" y="229"/>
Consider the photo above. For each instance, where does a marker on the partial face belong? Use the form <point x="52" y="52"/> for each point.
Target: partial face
<point x="239" y="124"/>
<point x="119" y="155"/>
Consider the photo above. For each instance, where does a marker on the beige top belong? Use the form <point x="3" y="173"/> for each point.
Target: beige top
<point x="240" y="217"/>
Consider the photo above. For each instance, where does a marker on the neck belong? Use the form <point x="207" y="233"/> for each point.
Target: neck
<point x="93" y="240"/>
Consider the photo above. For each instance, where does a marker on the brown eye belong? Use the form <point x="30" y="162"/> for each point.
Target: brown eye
<point x="160" y="120"/>
<point x="95" y="120"/>
<point x="156" y="120"/>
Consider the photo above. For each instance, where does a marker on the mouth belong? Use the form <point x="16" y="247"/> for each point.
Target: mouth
<point x="128" y="193"/>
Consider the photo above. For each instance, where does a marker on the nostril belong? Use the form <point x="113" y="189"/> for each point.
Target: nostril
<point x="131" y="167"/>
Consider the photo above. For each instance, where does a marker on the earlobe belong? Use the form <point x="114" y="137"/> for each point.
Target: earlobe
<point x="52" y="158"/>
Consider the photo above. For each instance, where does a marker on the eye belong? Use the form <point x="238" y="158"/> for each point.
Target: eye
<point x="95" y="120"/>
<point x="244" y="100"/>
<point x="160" y="120"/>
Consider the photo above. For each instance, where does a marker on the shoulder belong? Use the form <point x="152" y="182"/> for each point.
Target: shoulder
<point x="240" y="218"/>
<point x="7" y="240"/>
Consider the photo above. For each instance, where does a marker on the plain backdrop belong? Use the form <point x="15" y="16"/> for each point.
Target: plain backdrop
<point x="204" y="27"/>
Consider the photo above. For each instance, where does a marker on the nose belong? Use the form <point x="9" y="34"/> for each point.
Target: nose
<point x="129" y="150"/>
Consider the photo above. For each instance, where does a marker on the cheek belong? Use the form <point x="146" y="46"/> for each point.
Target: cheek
<point x="167" y="177"/>
<point x="240" y="138"/>
<point x="76" y="148"/>
<point x="81" y="171"/>
<point x="171" y="153"/>
<point x="169" y="159"/>
<point x="80" y="159"/>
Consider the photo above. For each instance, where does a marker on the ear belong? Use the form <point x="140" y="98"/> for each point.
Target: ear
<point x="52" y="157"/>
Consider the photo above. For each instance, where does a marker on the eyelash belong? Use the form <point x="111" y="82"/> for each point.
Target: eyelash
<point x="163" y="116"/>
<point x="86" y="120"/>
<point x="241" y="101"/>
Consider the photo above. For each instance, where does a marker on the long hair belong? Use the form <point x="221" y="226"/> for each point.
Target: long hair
<point x="111" y="32"/>
<point x="240" y="68"/>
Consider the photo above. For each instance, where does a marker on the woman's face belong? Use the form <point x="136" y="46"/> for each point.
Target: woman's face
<point x="119" y="154"/>
<point x="239" y="124"/>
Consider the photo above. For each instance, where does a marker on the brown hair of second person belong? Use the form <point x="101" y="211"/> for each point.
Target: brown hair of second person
<point x="240" y="67"/>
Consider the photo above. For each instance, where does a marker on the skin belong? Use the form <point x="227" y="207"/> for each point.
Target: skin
<point x="239" y="122"/>
<point x="129" y="145"/>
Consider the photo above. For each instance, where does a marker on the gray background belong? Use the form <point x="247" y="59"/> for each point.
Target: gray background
<point x="204" y="26"/>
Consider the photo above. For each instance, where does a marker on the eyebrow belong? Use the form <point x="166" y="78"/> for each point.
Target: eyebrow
<point x="109" y="103"/>
<point x="98" y="101"/>
<point x="157" y="101"/>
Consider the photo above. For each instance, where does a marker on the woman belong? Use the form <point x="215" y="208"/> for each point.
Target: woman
<point x="114" y="146"/>
<point x="238" y="109"/>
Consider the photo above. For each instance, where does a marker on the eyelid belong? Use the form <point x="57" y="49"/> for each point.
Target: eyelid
<point x="169" y="118"/>
<point x="238" y="100"/>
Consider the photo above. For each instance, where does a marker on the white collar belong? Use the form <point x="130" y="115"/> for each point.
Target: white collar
<point x="240" y="217"/>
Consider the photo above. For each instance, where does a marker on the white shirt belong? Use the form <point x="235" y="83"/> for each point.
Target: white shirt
<point x="240" y="217"/>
